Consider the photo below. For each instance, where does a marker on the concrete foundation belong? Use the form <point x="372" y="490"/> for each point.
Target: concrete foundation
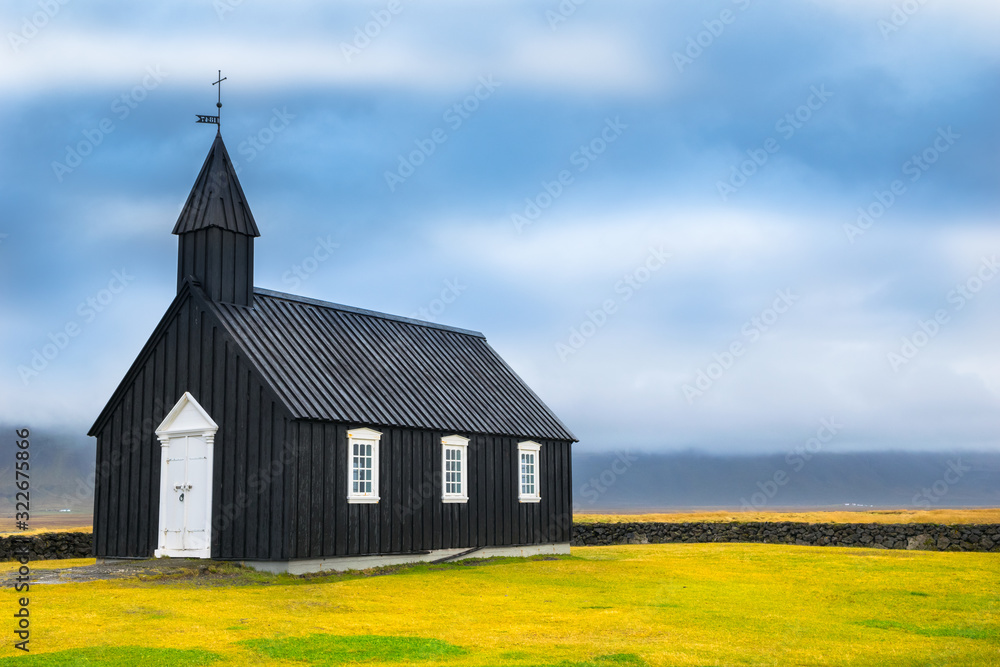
<point x="342" y="564"/>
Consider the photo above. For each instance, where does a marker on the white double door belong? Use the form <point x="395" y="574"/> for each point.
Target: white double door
<point x="185" y="497"/>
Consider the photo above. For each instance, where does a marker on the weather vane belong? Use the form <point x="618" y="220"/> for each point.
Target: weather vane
<point x="214" y="120"/>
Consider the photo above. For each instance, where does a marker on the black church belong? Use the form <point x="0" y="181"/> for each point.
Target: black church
<point x="299" y="435"/>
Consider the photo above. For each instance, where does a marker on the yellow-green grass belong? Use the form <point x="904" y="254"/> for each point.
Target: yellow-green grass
<point x="42" y="530"/>
<point x="632" y="606"/>
<point x="944" y="516"/>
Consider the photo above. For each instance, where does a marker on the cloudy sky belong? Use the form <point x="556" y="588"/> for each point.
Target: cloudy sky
<point x="688" y="225"/>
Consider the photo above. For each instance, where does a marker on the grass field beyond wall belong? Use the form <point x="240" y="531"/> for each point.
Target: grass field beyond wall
<point x="942" y="516"/>
<point x="671" y="604"/>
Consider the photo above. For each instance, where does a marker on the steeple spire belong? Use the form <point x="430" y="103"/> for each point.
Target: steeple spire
<point x="216" y="230"/>
<point x="217" y="199"/>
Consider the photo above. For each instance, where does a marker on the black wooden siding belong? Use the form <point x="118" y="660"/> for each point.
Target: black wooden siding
<point x="191" y="351"/>
<point x="221" y="261"/>
<point x="410" y="515"/>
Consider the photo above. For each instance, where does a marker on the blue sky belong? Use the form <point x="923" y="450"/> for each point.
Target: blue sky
<point x="652" y="210"/>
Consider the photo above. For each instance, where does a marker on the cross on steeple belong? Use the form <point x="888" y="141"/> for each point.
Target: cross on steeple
<point x="219" y="84"/>
<point x="215" y="119"/>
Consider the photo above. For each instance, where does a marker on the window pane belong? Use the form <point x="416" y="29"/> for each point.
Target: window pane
<point x="362" y="466"/>
<point x="453" y="471"/>
<point x="528" y="473"/>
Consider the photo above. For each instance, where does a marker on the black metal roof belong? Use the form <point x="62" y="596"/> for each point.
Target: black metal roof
<point x="336" y="363"/>
<point x="217" y="199"/>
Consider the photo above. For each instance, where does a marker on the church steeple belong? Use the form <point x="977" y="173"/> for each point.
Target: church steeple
<point x="216" y="230"/>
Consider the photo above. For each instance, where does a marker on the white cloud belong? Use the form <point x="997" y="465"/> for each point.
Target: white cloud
<point x="576" y="248"/>
<point x="530" y="58"/>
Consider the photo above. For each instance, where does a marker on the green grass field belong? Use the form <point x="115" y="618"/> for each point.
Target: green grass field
<point x="676" y="604"/>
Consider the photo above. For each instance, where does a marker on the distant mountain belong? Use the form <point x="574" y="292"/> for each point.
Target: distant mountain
<point x="61" y="470"/>
<point x="605" y="481"/>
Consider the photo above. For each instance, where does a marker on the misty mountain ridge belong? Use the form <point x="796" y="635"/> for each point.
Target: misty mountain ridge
<point x="920" y="480"/>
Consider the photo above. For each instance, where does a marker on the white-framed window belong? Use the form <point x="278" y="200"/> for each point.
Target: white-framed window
<point x="529" y="472"/>
<point x="454" y="480"/>
<point x="362" y="465"/>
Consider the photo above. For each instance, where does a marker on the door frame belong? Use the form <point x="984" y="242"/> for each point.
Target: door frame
<point x="187" y="418"/>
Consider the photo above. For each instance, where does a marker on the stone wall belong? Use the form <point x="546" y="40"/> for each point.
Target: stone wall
<point x="926" y="536"/>
<point x="48" y="546"/>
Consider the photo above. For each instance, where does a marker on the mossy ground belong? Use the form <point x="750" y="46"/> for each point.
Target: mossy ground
<point x="632" y="606"/>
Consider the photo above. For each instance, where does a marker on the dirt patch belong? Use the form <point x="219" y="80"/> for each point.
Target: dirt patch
<point x="140" y="570"/>
<point x="216" y="573"/>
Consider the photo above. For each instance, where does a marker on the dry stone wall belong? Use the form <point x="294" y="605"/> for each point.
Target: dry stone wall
<point x="48" y="546"/>
<point x="924" y="536"/>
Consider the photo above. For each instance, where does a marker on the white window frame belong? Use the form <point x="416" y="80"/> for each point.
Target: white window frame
<point x="362" y="436"/>
<point x="455" y="442"/>
<point x="535" y="493"/>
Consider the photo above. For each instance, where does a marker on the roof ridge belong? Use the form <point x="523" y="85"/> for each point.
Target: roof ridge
<point x="362" y="311"/>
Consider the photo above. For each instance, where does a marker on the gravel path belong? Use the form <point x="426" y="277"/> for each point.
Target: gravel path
<point x="141" y="570"/>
